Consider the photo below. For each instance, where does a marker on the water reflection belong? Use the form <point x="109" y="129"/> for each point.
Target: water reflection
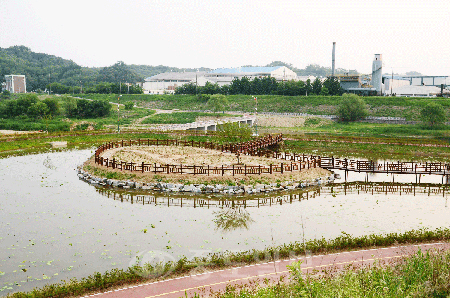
<point x="232" y="218"/>
<point x="236" y="203"/>
<point x="205" y="201"/>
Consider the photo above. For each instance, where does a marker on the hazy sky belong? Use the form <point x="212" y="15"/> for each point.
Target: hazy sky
<point x="410" y="34"/>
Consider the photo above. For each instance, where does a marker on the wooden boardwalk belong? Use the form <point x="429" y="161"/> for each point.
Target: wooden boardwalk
<point x="369" y="166"/>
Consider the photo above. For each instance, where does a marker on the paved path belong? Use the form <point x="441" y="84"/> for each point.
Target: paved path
<point x="218" y="280"/>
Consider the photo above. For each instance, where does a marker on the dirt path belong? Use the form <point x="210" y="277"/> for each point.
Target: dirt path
<point x="203" y="283"/>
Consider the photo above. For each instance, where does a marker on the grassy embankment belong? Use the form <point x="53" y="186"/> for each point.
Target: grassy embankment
<point x="421" y="277"/>
<point x="408" y="108"/>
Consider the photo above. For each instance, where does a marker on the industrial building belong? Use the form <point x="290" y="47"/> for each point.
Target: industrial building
<point x="166" y="83"/>
<point x="15" y="83"/>
<point x="224" y="76"/>
<point x="363" y="84"/>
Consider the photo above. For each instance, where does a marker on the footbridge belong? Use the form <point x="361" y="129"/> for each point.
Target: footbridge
<point x="210" y="125"/>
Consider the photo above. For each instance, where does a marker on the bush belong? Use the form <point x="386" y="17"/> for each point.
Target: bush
<point x="217" y="102"/>
<point x="232" y="132"/>
<point x="37" y="110"/>
<point x="433" y="115"/>
<point x="129" y="105"/>
<point x="351" y="108"/>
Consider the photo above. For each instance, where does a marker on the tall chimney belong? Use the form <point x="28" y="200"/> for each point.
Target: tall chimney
<point x="333" y="59"/>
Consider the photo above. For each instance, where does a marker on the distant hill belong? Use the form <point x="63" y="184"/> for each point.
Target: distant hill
<point x="146" y="71"/>
<point x="41" y="69"/>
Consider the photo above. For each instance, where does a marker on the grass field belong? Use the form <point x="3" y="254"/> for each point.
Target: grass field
<point x="408" y="108"/>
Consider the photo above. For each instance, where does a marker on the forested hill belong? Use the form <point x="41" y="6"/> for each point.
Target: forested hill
<point x="42" y="69"/>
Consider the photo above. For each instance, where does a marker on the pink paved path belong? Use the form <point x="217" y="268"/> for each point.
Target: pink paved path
<point x="218" y="280"/>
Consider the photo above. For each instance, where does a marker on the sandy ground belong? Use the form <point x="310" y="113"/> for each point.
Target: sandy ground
<point x="197" y="156"/>
<point x="12" y="132"/>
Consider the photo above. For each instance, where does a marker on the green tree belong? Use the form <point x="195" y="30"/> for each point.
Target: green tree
<point x="233" y="132"/>
<point x="53" y="106"/>
<point x="333" y="86"/>
<point x="316" y="86"/>
<point x="351" y="108"/>
<point x="218" y="102"/>
<point x="70" y="106"/>
<point x="5" y="95"/>
<point x="324" y="91"/>
<point x="37" y="110"/>
<point x="433" y="114"/>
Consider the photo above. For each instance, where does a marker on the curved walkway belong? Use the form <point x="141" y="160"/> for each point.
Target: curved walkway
<point x="203" y="283"/>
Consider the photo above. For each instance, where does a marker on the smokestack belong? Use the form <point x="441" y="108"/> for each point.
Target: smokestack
<point x="333" y="59"/>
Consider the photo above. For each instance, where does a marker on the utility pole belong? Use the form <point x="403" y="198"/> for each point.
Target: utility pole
<point x="118" y="118"/>
<point x="256" y="115"/>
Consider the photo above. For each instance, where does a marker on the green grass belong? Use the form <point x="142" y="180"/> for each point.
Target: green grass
<point x="408" y="108"/>
<point x="180" y="117"/>
<point x="420" y="275"/>
<point x="147" y="272"/>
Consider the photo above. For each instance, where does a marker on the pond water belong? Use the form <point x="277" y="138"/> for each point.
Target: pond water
<point x="55" y="227"/>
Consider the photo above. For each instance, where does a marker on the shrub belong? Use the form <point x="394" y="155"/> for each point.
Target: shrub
<point x="433" y="114"/>
<point x="129" y="105"/>
<point x="233" y="132"/>
<point x="351" y="108"/>
<point x="218" y="102"/>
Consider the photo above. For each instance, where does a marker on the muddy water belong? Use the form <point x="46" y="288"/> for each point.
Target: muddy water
<point x="55" y="227"/>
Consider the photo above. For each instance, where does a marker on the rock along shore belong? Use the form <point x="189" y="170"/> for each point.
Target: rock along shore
<point x="202" y="188"/>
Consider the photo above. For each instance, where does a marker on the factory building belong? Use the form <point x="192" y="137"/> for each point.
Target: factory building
<point x="15" y="83"/>
<point x="166" y="83"/>
<point x="423" y="86"/>
<point x="224" y="76"/>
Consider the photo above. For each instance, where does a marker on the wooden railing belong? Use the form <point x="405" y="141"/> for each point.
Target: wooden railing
<point x="437" y="168"/>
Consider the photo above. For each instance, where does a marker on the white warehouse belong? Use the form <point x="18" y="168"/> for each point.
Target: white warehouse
<point x="167" y="82"/>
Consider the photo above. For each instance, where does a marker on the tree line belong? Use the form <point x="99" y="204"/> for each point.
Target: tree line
<point x="42" y="70"/>
<point x="100" y="88"/>
<point x="266" y="86"/>
<point x="30" y="106"/>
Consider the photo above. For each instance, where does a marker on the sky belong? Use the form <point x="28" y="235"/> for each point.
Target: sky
<point x="411" y="35"/>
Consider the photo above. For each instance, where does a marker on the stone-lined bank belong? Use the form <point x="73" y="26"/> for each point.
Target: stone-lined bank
<point x="202" y="188"/>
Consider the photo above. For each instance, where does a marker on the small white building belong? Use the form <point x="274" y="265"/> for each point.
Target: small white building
<point x="418" y="91"/>
<point x="16" y="83"/>
<point x="166" y="83"/>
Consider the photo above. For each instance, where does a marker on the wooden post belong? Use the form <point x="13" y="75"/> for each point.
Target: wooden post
<point x="282" y="168"/>
<point x="222" y="170"/>
<point x="270" y="168"/>
<point x="142" y="167"/>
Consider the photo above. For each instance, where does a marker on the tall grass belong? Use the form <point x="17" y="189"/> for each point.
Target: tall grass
<point x="420" y="275"/>
<point x="135" y="274"/>
<point x="180" y="118"/>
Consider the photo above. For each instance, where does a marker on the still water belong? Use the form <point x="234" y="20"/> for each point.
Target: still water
<point x="54" y="227"/>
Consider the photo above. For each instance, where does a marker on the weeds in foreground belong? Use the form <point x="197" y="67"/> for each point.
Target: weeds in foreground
<point x="420" y="275"/>
<point x="146" y="272"/>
